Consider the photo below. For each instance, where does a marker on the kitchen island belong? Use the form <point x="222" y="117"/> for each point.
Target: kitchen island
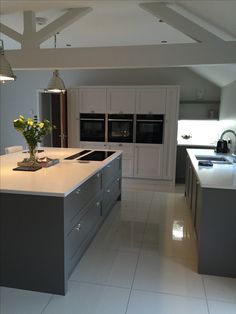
<point x="49" y="217"/>
<point x="211" y="196"/>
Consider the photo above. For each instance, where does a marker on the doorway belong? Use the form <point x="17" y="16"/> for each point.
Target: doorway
<point x="53" y="107"/>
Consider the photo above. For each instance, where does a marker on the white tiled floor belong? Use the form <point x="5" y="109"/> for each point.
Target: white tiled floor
<point x="142" y="261"/>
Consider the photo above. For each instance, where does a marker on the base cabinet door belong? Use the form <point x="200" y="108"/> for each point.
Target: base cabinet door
<point x="83" y="230"/>
<point x="127" y="157"/>
<point x="148" y="161"/>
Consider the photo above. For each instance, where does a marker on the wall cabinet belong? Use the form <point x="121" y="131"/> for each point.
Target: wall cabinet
<point x="121" y="100"/>
<point x="148" y="161"/>
<point x="92" y="100"/>
<point x="151" y="100"/>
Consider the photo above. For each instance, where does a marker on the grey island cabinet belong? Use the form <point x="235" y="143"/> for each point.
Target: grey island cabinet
<point x="49" y="217"/>
<point x="211" y="196"/>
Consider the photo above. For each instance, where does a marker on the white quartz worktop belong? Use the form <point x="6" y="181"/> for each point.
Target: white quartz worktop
<point x="219" y="176"/>
<point x="58" y="180"/>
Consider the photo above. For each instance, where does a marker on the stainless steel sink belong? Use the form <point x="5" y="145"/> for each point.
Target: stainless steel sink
<point x="214" y="159"/>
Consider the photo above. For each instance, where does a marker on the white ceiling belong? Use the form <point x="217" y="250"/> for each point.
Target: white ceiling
<point x="125" y="23"/>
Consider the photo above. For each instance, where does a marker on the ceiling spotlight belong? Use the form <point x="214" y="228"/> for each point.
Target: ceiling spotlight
<point x="161" y="21"/>
<point x="41" y="20"/>
<point x="6" y="73"/>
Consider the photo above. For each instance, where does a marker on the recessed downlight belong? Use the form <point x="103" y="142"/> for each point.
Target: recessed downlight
<point x="68" y="45"/>
<point x="163" y="41"/>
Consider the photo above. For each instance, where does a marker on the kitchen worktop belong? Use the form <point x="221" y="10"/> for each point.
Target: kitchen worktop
<point x="219" y="176"/>
<point x="58" y="180"/>
<point x="191" y="142"/>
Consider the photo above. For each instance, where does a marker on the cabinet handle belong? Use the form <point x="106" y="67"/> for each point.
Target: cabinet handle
<point x="118" y="179"/>
<point x="108" y="166"/>
<point x="98" y="175"/>
<point x="98" y="204"/>
<point x="78" y="227"/>
<point x="108" y="191"/>
<point x="77" y="191"/>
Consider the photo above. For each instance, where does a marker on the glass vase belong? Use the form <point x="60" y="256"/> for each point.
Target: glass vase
<point x="32" y="155"/>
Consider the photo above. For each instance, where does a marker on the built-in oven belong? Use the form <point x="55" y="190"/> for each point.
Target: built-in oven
<point x="120" y="128"/>
<point x="92" y="127"/>
<point x="149" y="128"/>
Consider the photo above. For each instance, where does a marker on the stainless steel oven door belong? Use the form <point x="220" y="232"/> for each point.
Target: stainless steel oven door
<point x="149" y="129"/>
<point x="120" y="128"/>
<point x="92" y="127"/>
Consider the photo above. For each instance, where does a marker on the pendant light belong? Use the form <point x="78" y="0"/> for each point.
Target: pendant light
<point x="56" y="84"/>
<point x="6" y="73"/>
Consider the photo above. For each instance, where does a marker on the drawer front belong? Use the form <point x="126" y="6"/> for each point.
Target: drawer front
<point x="82" y="229"/>
<point x="111" y="171"/>
<point x="80" y="197"/>
<point x="110" y="195"/>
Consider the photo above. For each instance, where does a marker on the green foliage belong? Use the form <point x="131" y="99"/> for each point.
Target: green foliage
<point x="32" y="129"/>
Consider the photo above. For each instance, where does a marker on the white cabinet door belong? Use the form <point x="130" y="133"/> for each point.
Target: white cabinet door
<point x="92" y="100"/>
<point x="93" y="145"/>
<point x="127" y="157"/>
<point x="170" y="133"/>
<point x="121" y="100"/>
<point x="151" y="100"/>
<point x="148" y="161"/>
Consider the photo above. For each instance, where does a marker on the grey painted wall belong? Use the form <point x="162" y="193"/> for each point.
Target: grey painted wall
<point x="228" y="111"/>
<point x="20" y="97"/>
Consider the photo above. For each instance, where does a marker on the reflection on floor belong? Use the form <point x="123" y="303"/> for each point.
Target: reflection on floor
<point x="142" y="261"/>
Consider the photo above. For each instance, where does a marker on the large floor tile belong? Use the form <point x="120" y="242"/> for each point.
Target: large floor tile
<point x="83" y="298"/>
<point x="220" y="288"/>
<point x="16" y="301"/>
<point x="168" y="275"/>
<point x="126" y="236"/>
<point x="179" y="243"/>
<point x="153" y="303"/>
<point x="216" y="307"/>
<point x="110" y="267"/>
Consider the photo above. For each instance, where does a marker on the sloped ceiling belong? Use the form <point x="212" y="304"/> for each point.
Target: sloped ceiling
<point x="124" y="23"/>
<point x="220" y="75"/>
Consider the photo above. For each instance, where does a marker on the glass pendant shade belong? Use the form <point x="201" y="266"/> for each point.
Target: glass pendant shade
<point x="56" y="84"/>
<point x="6" y="73"/>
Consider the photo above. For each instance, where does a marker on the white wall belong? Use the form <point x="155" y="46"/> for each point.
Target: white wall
<point x="228" y="110"/>
<point x="20" y="97"/>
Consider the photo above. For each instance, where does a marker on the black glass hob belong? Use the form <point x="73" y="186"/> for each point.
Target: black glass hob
<point x="78" y="154"/>
<point x="97" y="155"/>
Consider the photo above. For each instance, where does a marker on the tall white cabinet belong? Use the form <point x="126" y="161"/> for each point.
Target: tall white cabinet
<point x="150" y="161"/>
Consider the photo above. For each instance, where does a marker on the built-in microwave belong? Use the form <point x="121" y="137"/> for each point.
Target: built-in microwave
<point x="149" y="128"/>
<point x="92" y="127"/>
<point x="120" y="128"/>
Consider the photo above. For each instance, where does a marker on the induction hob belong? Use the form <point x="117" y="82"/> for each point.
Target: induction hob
<point x="97" y="155"/>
